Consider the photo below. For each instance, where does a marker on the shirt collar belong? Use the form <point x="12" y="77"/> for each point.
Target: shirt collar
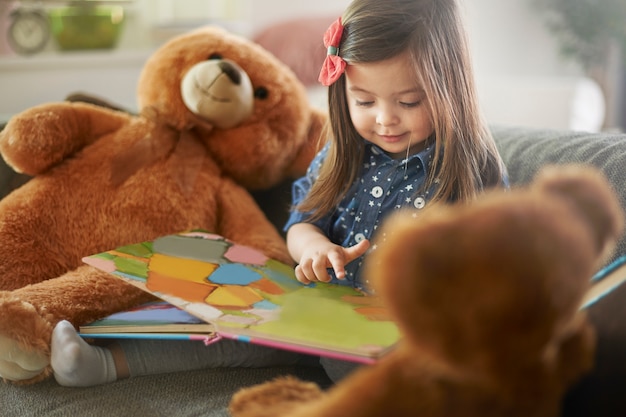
<point x="380" y="157"/>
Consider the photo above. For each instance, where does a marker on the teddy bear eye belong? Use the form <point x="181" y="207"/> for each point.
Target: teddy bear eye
<point x="261" y="93"/>
<point x="215" y="56"/>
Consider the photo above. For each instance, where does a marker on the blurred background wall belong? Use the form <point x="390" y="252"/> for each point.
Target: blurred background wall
<point x="523" y="78"/>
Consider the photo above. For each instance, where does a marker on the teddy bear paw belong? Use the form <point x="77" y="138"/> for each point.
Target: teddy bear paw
<point x="17" y="364"/>
<point x="273" y="398"/>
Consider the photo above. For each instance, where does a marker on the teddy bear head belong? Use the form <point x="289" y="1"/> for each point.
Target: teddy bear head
<point x="497" y="282"/>
<point x="251" y="110"/>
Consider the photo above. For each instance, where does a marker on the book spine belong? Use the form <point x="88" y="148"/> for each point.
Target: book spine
<point x="207" y="339"/>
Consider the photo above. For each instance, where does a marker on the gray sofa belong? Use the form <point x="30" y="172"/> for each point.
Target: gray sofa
<point x="207" y="392"/>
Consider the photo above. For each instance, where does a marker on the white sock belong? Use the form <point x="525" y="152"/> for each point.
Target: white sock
<point x="75" y="362"/>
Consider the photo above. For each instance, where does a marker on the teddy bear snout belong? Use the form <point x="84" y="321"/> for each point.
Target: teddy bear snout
<point x="231" y="71"/>
<point x="218" y="91"/>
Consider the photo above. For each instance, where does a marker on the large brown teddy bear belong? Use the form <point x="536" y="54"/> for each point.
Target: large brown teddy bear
<point x="487" y="296"/>
<point x="219" y="116"/>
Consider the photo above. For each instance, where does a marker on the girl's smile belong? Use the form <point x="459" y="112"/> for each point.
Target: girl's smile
<point x="392" y="138"/>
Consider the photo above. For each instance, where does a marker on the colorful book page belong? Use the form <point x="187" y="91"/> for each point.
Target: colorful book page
<point x="250" y="297"/>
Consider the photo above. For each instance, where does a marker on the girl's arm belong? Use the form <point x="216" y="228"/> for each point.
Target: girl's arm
<point x="314" y="253"/>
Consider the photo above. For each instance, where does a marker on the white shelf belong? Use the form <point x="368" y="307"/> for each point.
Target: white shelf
<point x="32" y="80"/>
<point x="75" y="60"/>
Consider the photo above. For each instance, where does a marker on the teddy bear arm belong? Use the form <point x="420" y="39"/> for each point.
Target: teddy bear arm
<point x="576" y="351"/>
<point x="371" y="391"/>
<point x="24" y="340"/>
<point x="242" y="221"/>
<point x="274" y="398"/>
<point x="19" y="365"/>
<point x="81" y="296"/>
<point x="44" y="135"/>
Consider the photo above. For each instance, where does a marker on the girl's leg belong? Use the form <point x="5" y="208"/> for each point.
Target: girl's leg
<point x="147" y="357"/>
<point x="77" y="363"/>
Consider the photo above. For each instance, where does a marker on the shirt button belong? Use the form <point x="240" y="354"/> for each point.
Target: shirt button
<point x="377" y="192"/>
<point x="419" y="203"/>
<point x="359" y="237"/>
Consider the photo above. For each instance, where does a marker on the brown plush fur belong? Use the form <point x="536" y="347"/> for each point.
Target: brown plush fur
<point x="105" y="178"/>
<point x="487" y="297"/>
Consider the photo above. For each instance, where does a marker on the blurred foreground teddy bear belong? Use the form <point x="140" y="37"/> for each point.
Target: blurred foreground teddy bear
<point x="487" y="298"/>
<point x="219" y="116"/>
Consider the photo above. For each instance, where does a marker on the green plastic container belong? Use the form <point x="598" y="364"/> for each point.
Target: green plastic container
<point x="86" y="27"/>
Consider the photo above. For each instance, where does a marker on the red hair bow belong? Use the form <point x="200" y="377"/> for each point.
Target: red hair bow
<point x="333" y="65"/>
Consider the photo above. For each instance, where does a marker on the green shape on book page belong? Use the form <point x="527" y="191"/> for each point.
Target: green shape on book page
<point x="141" y="250"/>
<point x="318" y="314"/>
<point x="130" y="266"/>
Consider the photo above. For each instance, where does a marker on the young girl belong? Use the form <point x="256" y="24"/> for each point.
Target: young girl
<point x="404" y="130"/>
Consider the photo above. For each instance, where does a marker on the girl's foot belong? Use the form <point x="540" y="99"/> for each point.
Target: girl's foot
<point x="75" y="362"/>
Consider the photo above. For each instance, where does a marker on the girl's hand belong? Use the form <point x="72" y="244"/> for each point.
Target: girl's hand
<point x="322" y="254"/>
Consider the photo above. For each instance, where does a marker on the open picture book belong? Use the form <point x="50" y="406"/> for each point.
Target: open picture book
<point x="246" y="296"/>
<point x="218" y="289"/>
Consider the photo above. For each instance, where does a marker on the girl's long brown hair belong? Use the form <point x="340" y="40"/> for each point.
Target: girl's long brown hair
<point x="432" y="32"/>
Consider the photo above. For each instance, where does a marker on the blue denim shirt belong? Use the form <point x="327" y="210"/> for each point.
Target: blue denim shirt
<point x="384" y="184"/>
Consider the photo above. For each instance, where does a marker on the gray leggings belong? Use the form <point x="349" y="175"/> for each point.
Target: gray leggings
<point x="149" y="357"/>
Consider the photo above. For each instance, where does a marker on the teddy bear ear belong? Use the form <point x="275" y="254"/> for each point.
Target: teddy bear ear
<point x="312" y="143"/>
<point x="593" y="197"/>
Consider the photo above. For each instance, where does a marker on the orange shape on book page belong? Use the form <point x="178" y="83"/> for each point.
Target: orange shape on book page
<point x="233" y="296"/>
<point x="363" y="300"/>
<point x="267" y="286"/>
<point x="181" y="268"/>
<point x="374" y="313"/>
<point x="187" y="290"/>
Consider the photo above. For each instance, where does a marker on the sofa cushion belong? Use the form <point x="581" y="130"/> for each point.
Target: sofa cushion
<point x="527" y="150"/>
<point x="193" y="393"/>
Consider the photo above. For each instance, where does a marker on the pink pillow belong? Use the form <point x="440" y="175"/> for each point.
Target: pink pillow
<point x="299" y="44"/>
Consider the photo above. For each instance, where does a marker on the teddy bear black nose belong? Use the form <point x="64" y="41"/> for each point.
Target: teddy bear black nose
<point x="230" y="71"/>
